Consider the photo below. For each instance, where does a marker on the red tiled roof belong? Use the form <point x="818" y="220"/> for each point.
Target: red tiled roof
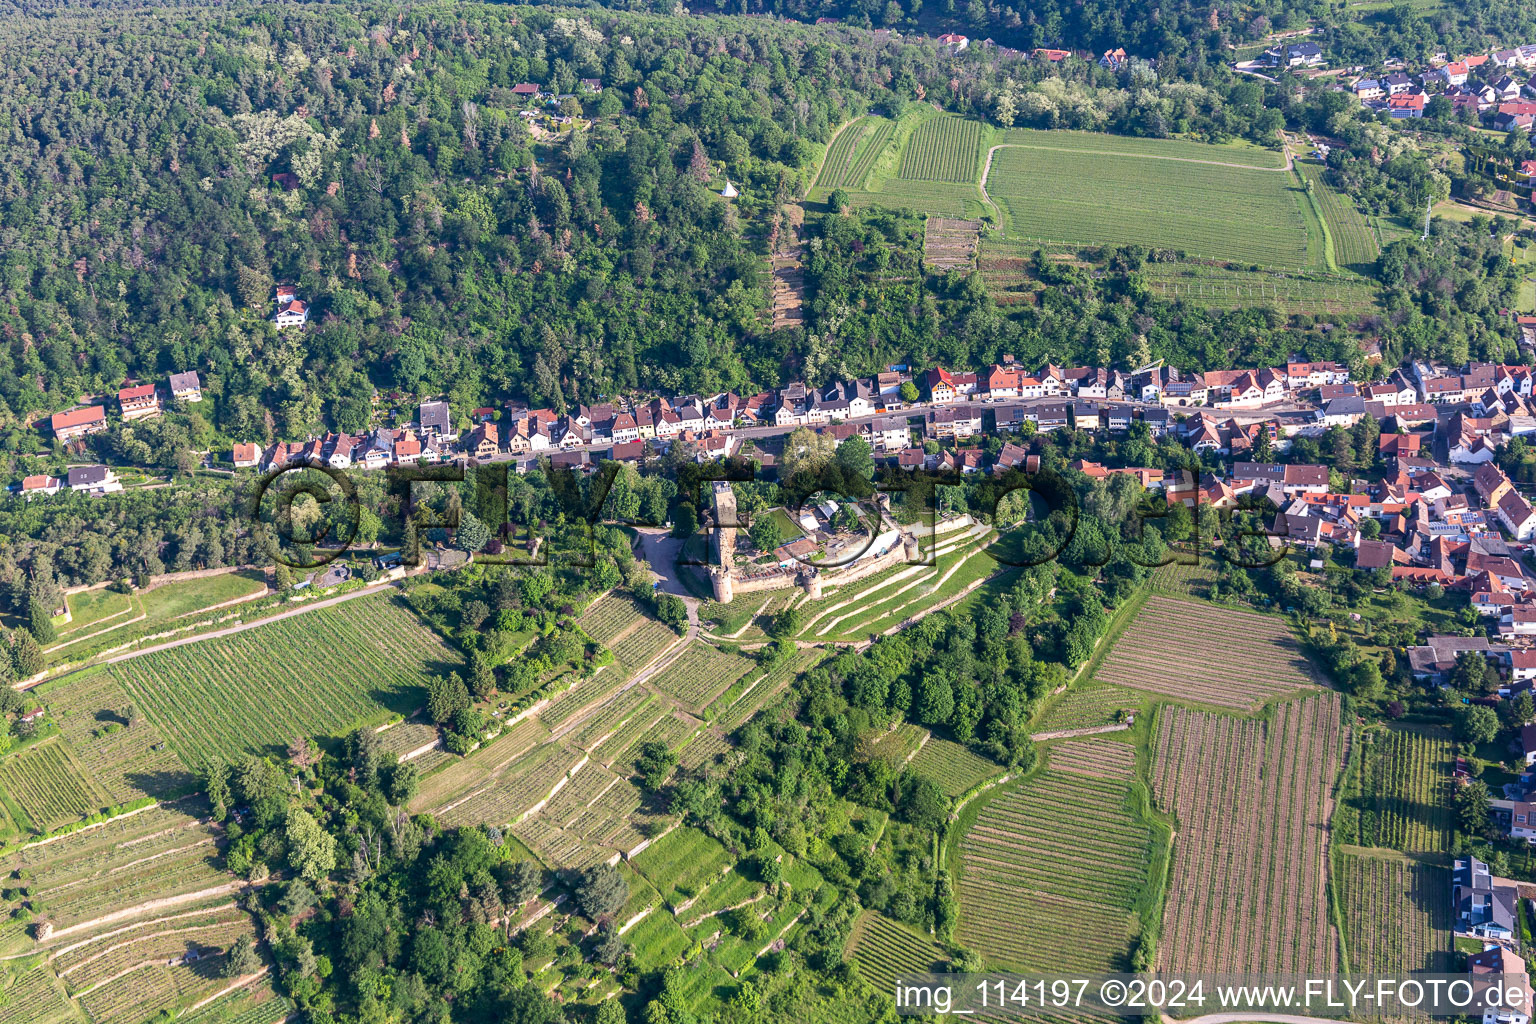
<point x="78" y="417"/>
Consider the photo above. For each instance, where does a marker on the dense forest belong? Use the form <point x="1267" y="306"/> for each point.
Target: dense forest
<point x="164" y="169"/>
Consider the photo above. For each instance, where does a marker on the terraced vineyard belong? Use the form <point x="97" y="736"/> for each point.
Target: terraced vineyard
<point x="942" y="149"/>
<point x="885" y="951"/>
<point x="525" y="783"/>
<point x="1086" y="706"/>
<point x="870" y="145"/>
<point x="610" y="616"/>
<point x="1270" y="658"/>
<point x="1241" y="214"/>
<point x="1397" y="913"/>
<point x="637" y="647"/>
<point x="338" y="667"/>
<point x="49" y="787"/>
<point x="1050" y="870"/>
<point x="701" y="674"/>
<point x="952" y="766"/>
<point x="1068" y="140"/>
<point x="1248" y="886"/>
<point x="35" y="997"/>
<point x="84" y="875"/>
<point x="1405" y="789"/>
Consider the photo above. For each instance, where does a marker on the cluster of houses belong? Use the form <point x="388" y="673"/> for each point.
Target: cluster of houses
<point x="134" y="402"/>
<point x="1495" y="84"/>
<point x="1486" y="909"/>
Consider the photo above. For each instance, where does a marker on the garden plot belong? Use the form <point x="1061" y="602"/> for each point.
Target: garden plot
<point x="324" y="672"/>
<point x="1050" y="872"/>
<point x="950" y="244"/>
<point x="701" y="674"/>
<point x="1248" y="887"/>
<point x="1235" y="658"/>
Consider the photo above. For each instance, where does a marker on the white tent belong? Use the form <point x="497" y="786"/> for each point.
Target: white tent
<point x="729" y="191"/>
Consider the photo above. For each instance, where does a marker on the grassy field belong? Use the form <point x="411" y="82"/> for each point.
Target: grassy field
<point x="321" y="673"/>
<point x="1068" y="194"/>
<point x="1215" y="287"/>
<point x="106" y="620"/>
<point x="1234" y="152"/>
<point x="1051" y="870"/>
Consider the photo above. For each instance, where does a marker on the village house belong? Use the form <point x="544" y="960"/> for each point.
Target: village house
<point x="891" y="434"/>
<point x="957" y="421"/>
<point x="42" y="484"/>
<point x="94" y="480"/>
<point x="940" y="386"/>
<point x="139" y="402"/>
<point x="291" y="310"/>
<point x="1481" y="907"/>
<point x="484" y="442"/>
<point x="186" y="387"/>
<point x="1501" y="971"/>
<point x="246" y="455"/>
<point x="78" y="422"/>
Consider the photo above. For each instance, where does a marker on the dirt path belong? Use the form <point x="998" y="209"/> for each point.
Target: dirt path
<point x="1061" y="734"/>
<point x="164" y="903"/>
